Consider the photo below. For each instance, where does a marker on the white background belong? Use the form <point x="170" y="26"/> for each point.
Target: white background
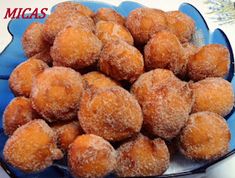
<point x="224" y="169"/>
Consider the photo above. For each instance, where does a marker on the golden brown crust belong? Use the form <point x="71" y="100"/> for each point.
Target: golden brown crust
<point x="210" y="61"/>
<point x="63" y="18"/>
<point x="213" y="94"/>
<point x="142" y="157"/>
<point x="33" y="41"/>
<point x="22" y="77"/>
<point x="165" y="100"/>
<point x="181" y="25"/>
<point x="107" y="31"/>
<point x="76" y="47"/>
<point x="32" y="147"/>
<point x="189" y="50"/>
<point x="121" y="61"/>
<point x="145" y="22"/>
<point x="66" y="133"/>
<point x="115" y="99"/>
<point x="44" y="56"/>
<point x="205" y="137"/>
<point x="75" y="7"/>
<point x="165" y="51"/>
<point x="18" y="112"/>
<point x="91" y="156"/>
<point x="119" y="117"/>
<point x="108" y="14"/>
<point x="98" y="80"/>
<point x="56" y="93"/>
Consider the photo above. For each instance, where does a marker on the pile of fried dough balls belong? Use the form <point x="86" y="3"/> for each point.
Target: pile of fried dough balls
<point x="114" y="94"/>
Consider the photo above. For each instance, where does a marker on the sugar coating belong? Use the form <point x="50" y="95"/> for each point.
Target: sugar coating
<point x="108" y="14"/>
<point x="32" y="40"/>
<point x="112" y="113"/>
<point x="211" y="60"/>
<point x="165" y="51"/>
<point x="188" y="51"/>
<point x="166" y="102"/>
<point x="63" y="18"/>
<point x="98" y="80"/>
<point x="205" y="137"/>
<point x="190" y="48"/>
<point x="142" y="157"/>
<point x="76" y="7"/>
<point x="66" y="133"/>
<point x="56" y="93"/>
<point x="44" y="56"/>
<point x="22" y="77"/>
<point x="32" y="147"/>
<point x="181" y="25"/>
<point x="107" y="30"/>
<point x="76" y="47"/>
<point x="91" y="156"/>
<point x="145" y="22"/>
<point x="213" y="94"/>
<point x="121" y="61"/>
<point x="18" y="112"/>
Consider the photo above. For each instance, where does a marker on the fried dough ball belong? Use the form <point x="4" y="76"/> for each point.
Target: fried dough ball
<point x="76" y="47"/>
<point x="181" y="25"/>
<point x="121" y="61"/>
<point x="213" y="94"/>
<point x="165" y="51"/>
<point x="189" y="50"/>
<point x="18" y="112"/>
<point x="32" y="147"/>
<point x="63" y="18"/>
<point x="56" y="93"/>
<point x="165" y="100"/>
<point x="22" y="77"/>
<point x="91" y="156"/>
<point x="142" y="157"/>
<point x="145" y="22"/>
<point x="112" y="113"/>
<point x="66" y="133"/>
<point x="98" y="80"/>
<point x="210" y="61"/>
<point x="75" y="7"/>
<point x="44" y="56"/>
<point x="108" y="14"/>
<point x="33" y="41"/>
<point x="107" y="31"/>
<point x="205" y="137"/>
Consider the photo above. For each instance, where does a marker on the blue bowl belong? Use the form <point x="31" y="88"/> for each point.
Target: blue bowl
<point x="14" y="55"/>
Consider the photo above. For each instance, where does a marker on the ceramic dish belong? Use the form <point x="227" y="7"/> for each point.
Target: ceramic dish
<point x="14" y="55"/>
